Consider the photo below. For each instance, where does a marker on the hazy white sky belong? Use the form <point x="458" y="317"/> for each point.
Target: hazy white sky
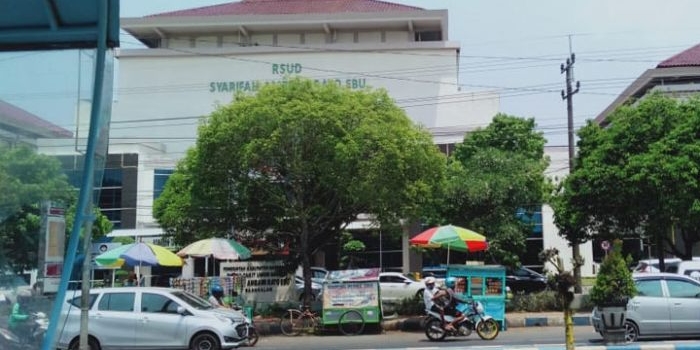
<point x="514" y="46"/>
<point x="517" y="47"/>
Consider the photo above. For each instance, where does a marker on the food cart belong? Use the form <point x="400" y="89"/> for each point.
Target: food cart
<point x="351" y="300"/>
<point x="483" y="283"/>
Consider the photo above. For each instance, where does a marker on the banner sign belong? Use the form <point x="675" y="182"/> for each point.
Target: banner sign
<point x="265" y="281"/>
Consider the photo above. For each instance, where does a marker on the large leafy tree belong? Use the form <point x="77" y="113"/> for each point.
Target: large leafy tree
<point x="26" y="179"/>
<point x="296" y="163"/>
<point x="497" y="172"/>
<point x="637" y="177"/>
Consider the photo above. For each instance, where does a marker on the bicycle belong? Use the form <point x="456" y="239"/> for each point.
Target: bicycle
<point x="296" y="321"/>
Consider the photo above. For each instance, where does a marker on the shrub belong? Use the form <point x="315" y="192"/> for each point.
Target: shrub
<point x="614" y="284"/>
<point x="412" y="306"/>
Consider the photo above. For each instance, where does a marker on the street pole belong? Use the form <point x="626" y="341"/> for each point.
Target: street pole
<point x="567" y="95"/>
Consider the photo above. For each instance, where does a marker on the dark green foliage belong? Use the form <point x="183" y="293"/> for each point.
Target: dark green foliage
<point x="613" y="284"/>
<point x="495" y="173"/>
<point x="637" y="177"/>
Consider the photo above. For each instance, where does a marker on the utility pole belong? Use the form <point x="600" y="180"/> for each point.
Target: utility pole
<point x="568" y="95"/>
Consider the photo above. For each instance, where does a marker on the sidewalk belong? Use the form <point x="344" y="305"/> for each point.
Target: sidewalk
<point x="413" y="324"/>
<point x="543" y="319"/>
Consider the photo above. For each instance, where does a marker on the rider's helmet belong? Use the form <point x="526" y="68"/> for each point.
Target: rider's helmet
<point x="429" y="282"/>
<point x="24" y="297"/>
<point x="217" y="291"/>
<point x="450" y="282"/>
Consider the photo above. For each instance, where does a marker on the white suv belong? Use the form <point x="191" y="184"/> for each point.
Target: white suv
<point x="156" y="318"/>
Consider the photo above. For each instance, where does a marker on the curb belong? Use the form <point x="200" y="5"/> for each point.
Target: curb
<point x="634" y="346"/>
<point x="415" y="324"/>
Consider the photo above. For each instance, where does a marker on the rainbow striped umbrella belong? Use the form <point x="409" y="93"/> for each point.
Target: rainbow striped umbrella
<point x="139" y="254"/>
<point x="452" y="237"/>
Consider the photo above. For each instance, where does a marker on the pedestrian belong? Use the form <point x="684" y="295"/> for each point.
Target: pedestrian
<point x="130" y="280"/>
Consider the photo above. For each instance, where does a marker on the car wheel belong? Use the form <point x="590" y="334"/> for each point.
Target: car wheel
<point x="631" y="332"/>
<point x="92" y="344"/>
<point x="419" y="294"/>
<point x="205" y="341"/>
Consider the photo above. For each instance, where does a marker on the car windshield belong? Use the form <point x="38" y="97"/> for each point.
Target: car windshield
<point x="193" y="300"/>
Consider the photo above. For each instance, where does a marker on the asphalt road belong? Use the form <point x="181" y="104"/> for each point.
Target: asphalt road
<point x="584" y="335"/>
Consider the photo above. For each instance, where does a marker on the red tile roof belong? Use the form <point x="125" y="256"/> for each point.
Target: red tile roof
<point x="18" y="117"/>
<point x="288" y="7"/>
<point x="687" y="58"/>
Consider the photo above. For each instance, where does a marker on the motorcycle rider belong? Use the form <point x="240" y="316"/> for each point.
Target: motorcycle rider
<point x="446" y="300"/>
<point x="19" y="320"/>
<point x="428" y="294"/>
<point x="216" y="299"/>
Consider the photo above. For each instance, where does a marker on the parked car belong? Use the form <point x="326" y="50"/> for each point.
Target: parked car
<point x="687" y="267"/>
<point x="666" y="305"/>
<point x="151" y="317"/>
<point x="395" y="286"/>
<point x="525" y="280"/>
<point x="316" y="288"/>
<point x="652" y="265"/>
<point x="318" y="276"/>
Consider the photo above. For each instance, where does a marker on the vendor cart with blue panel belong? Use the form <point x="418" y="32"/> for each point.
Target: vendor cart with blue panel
<point x="483" y="283"/>
<point x="351" y="300"/>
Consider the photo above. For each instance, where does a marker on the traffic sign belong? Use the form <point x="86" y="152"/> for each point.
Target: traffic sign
<point x="605" y="245"/>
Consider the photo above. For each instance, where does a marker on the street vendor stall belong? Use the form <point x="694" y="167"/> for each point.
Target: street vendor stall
<point x="351" y="300"/>
<point x="483" y="283"/>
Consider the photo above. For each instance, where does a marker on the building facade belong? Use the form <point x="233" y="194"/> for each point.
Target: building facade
<point x="194" y="60"/>
<point x="197" y="59"/>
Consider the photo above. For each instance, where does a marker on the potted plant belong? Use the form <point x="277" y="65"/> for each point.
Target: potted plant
<point x="613" y="288"/>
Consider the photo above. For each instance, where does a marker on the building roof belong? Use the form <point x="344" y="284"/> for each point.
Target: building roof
<point x="687" y="58"/>
<point x="288" y="7"/>
<point x="681" y="69"/>
<point x="18" y="120"/>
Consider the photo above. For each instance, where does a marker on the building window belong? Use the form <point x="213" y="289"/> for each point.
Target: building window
<point x="160" y="177"/>
<point x="531" y="218"/>
<point x="429" y="35"/>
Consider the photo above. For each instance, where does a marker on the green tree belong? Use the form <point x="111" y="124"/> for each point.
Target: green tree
<point x="26" y="179"/>
<point x="495" y="173"/>
<point x="637" y="177"/>
<point x="297" y="162"/>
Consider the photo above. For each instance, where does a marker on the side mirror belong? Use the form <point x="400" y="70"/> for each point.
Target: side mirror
<point x="182" y="311"/>
<point x="407" y="282"/>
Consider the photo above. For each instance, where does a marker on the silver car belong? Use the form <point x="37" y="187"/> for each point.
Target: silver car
<point x="666" y="305"/>
<point x="151" y="318"/>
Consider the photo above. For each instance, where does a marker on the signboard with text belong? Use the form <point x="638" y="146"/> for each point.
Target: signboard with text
<point x="265" y="281"/>
<point x="53" y="249"/>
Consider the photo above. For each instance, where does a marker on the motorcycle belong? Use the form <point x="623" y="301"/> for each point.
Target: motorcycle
<point x="252" y="333"/>
<point x="476" y="320"/>
<point x="11" y="341"/>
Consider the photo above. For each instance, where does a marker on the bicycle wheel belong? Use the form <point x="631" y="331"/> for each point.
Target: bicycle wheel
<point x="351" y="323"/>
<point x="291" y="322"/>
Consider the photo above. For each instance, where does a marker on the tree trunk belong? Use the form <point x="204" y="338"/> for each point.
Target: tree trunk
<point x="576" y="250"/>
<point x="306" y="261"/>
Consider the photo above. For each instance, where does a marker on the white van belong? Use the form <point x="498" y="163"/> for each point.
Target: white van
<point x="688" y="267"/>
<point x="652" y="265"/>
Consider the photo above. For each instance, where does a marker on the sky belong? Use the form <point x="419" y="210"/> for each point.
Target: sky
<point x="513" y="46"/>
<point x="517" y="47"/>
